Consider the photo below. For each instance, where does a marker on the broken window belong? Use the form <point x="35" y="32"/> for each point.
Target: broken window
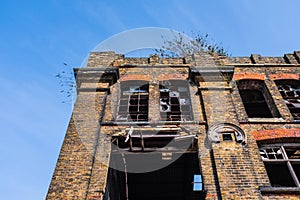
<point x="256" y="99"/>
<point x="174" y="100"/>
<point x="133" y="102"/>
<point x="282" y="164"/>
<point x="290" y="91"/>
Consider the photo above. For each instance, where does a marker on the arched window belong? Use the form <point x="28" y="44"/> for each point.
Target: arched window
<point x="256" y="98"/>
<point x="290" y="91"/>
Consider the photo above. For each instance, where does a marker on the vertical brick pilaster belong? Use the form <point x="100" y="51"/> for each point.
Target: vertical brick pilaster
<point x="154" y="107"/>
<point x="204" y="59"/>
<point x="195" y="103"/>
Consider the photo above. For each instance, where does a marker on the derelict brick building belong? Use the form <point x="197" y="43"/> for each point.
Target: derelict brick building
<point x="213" y="127"/>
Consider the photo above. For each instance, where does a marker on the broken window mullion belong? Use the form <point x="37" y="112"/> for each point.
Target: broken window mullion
<point x="284" y="152"/>
<point x="294" y="176"/>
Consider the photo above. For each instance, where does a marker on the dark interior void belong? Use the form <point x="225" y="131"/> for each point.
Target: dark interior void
<point x="171" y="182"/>
<point x="292" y="152"/>
<point x="279" y="175"/>
<point x="290" y="91"/>
<point x="257" y="100"/>
<point x="255" y="104"/>
<point x="296" y="167"/>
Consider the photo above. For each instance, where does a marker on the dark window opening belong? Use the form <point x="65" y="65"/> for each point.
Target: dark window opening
<point x="175" y="102"/>
<point x="292" y="153"/>
<point x="279" y="175"/>
<point x="296" y="168"/>
<point x="180" y="180"/>
<point x="290" y="91"/>
<point x="133" y="102"/>
<point x="282" y="163"/>
<point x="256" y="99"/>
<point x="227" y="136"/>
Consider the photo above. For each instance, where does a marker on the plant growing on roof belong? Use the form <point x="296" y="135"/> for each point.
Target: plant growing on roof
<point x="179" y="46"/>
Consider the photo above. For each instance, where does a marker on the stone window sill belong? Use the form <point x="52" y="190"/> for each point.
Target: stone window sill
<point x="268" y="120"/>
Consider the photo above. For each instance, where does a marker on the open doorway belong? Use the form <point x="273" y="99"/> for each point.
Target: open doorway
<point x="179" y="180"/>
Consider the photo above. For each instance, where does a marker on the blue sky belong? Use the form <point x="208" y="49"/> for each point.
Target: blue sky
<point x="36" y="37"/>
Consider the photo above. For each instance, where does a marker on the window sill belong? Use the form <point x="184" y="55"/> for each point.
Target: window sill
<point x="279" y="190"/>
<point x="264" y="120"/>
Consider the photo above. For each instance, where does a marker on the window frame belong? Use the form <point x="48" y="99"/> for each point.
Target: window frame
<point x="132" y="95"/>
<point x="284" y="160"/>
<point x="197" y="183"/>
<point x="294" y="87"/>
<point x="175" y="94"/>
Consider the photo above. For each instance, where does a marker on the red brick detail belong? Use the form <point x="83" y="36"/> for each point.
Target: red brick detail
<point x="138" y="77"/>
<point x="248" y="76"/>
<point x="211" y="195"/>
<point x="284" y="76"/>
<point x="276" y="134"/>
<point x="172" y="77"/>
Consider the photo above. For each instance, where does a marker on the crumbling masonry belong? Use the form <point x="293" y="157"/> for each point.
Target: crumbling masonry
<point x="199" y="127"/>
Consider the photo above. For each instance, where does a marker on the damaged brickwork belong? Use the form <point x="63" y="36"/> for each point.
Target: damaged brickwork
<point x="207" y="99"/>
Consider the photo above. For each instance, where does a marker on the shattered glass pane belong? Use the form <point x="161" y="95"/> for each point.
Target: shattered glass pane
<point x="174" y="100"/>
<point x="290" y="91"/>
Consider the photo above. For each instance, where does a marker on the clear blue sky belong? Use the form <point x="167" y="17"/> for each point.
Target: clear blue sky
<point x="36" y="37"/>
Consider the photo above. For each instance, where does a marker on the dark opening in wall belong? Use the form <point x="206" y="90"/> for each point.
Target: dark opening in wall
<point x="256" y="99"/>
<point x="279" y="175"/>
<point x="282" y="163"/>
<point x="133" y="102"/>
<point x="290" y="91"/>
<point x="175" y="104"/>
<point x="227" y="136"/>
<point x="147" y="141"/>
<point x="180" y="180"/>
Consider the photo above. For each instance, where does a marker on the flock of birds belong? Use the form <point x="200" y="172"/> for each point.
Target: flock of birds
<point x="67" y="83"/>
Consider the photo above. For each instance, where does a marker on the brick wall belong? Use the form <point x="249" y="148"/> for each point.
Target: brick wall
<point x="230" y="170"/>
